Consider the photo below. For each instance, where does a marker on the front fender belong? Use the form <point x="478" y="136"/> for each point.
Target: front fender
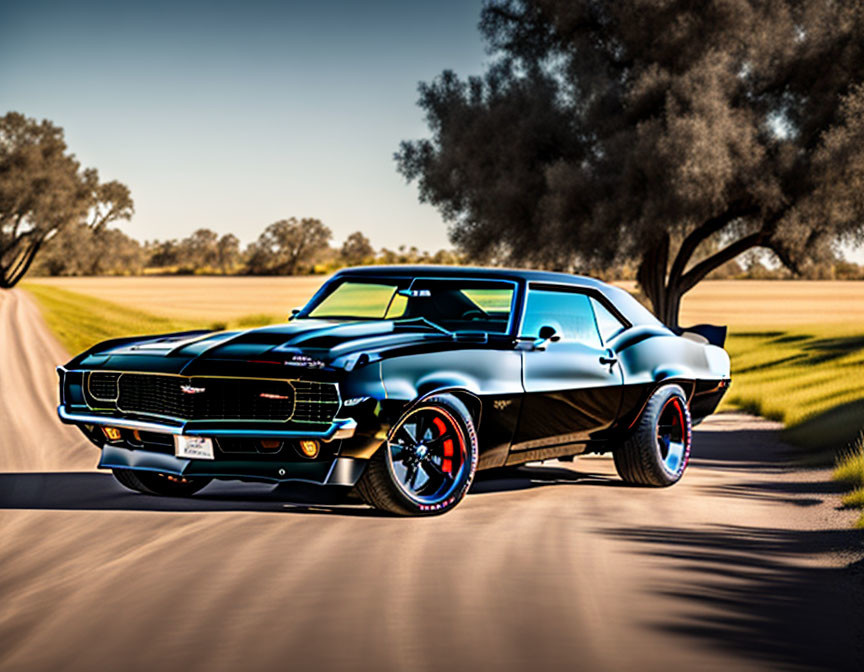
<point x="473" y="375"/>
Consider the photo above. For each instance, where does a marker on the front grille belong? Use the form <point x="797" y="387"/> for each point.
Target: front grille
<point x="316" y="402"/>
<point x="102" y="385"/>
<point x="202" y="398"/>
<point x="205" y="398"/>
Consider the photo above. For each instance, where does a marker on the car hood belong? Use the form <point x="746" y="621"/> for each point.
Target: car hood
<point x="303" y="343"/>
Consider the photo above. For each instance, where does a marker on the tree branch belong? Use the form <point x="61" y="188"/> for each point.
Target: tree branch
<point x="702" y="233"/>
<point x="703" y="268"/>
<point x="10" y="277"/>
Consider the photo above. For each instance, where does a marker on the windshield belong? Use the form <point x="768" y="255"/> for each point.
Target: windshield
<point x="453" y="304"/>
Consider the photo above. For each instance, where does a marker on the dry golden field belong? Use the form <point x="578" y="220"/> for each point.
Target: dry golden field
<point x="214" y="298"/>
<point x="737" y="303"/>
<point x="772" y="303"/>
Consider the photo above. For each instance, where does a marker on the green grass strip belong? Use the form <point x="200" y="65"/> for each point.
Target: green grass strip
<point x="81" y="321"/>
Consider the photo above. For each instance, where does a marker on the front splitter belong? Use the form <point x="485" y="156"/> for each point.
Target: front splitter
<point x="337" y="471"/>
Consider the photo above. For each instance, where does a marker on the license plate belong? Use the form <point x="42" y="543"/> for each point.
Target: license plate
<point x="193" y="447"/>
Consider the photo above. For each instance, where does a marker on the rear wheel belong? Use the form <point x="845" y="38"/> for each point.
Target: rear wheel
<point x="658" y="450"/>
<point x="154" y="483"/>
<point x="428" y="462"/>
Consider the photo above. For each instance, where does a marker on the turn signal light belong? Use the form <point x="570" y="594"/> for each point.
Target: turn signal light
<point x="112" y="433"/>
<point x="309" y="448"/>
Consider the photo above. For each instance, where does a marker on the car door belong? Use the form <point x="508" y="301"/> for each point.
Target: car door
<point x="572" y="383"/>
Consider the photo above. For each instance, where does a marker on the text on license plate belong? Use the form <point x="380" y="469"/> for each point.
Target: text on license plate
<point x="193" y="447"/>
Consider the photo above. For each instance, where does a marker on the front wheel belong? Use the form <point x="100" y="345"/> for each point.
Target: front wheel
<point x="658" y="449"/>
<point x="427" y="463"/>
<point x="153" y="483"/>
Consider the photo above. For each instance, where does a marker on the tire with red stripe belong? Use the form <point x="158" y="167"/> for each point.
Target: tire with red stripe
<point x="427" y="463"/>
<point x="658" y="449"/>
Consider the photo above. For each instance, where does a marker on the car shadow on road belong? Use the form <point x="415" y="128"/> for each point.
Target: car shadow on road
<point x="756" y="451"/>
<point x="89" y="491"/>
<point x="748" y="596"/>
<point x="524" y="477"/>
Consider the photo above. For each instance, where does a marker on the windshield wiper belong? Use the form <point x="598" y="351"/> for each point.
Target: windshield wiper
<point x="427" y="322"/>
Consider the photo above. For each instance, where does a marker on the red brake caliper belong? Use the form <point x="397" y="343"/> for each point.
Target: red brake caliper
<point x="447" y="463"/>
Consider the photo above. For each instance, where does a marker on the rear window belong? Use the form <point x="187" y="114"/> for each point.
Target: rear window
<point x="609" y="325"/>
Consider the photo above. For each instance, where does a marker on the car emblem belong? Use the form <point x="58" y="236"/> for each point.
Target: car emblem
<point x="189" y="389"/>
<point x="501" y="404"/>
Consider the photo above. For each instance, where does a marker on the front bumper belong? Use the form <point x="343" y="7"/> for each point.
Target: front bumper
<point x="335" y="471"/>
<point x="338" y="429"/>
<point x="332" y="470"/>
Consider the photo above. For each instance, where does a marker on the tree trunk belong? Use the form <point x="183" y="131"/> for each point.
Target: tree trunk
<point x="665" y="293"/>
<point x="672" y="307"/>
<point x="10" y="276"/>
<point x="651" y="277"/>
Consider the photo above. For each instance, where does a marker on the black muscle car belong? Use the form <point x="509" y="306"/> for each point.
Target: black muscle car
<point x="401" y="382"/>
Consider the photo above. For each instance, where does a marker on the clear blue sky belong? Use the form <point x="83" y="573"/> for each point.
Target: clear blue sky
<point x="232" y="115"/>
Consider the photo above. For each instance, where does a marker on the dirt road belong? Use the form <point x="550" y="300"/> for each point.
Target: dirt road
<point x="740" y="566"/>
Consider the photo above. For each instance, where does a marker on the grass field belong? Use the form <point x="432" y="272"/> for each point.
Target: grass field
<point x="797" y="348"/>
<point x="80" y="321"/>
<point x="201" y="298"/>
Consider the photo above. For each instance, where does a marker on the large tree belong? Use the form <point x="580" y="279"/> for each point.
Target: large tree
<point x="652" y="130"/>
<point x="43" y="189"/>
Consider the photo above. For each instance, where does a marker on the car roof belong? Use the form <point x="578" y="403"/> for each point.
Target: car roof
<point x="407" y="270"/>
<point x="621" y="299"/>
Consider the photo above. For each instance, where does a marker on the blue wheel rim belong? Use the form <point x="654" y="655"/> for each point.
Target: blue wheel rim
<point x="672" y="436"/>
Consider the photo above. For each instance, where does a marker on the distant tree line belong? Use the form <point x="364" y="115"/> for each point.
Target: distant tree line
<point x="287" y="247"/>
<point x="304" y="246"/>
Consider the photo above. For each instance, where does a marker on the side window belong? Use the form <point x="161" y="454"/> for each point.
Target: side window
<point x="568" y="312"/>
<point x="609" y="325"/>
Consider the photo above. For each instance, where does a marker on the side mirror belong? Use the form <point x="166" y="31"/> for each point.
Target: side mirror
<point x="294" y="313"/>
<point x="547" y="335"/>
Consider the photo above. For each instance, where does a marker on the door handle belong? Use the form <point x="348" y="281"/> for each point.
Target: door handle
<point x="608" y="361"/>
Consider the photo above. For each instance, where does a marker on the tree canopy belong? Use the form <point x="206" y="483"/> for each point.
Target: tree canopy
<point x="651" y="130"/>
<point x="356" y="249"/>
<point x="288" y="247"/>
<point x="43" y="190"/>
